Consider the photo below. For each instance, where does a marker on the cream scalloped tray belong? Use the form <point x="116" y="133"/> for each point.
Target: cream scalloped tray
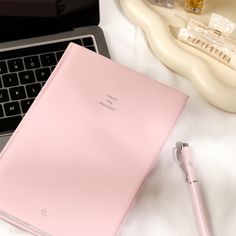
<point x="215" y="81"/>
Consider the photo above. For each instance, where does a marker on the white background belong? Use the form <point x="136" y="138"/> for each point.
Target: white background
<point x="164" y="207"/>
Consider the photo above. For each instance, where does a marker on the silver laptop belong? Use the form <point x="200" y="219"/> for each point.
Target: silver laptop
<point x="30" y="48"/>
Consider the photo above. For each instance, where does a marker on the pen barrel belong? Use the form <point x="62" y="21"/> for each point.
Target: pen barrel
<point x="200" y="209"/>
<point x="188" y="165"/>
<point x="197" y="195"/>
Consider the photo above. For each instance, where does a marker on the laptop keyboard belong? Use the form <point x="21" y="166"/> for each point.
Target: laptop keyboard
<point x="23" y="72"/>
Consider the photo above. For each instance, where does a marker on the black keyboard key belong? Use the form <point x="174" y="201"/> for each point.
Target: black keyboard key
<point x="92" y="48"/>
<point x="12" y="108"/>
<point x="32" y="62"/>
<point x="25" y="104"/>
<point x="88" y="41"/>
<point x="77" y="41"/>
<point x="42" y="74"/>
<point x="52" y="68"/>
<point x="15" y="65"/>
<point x="9" y="124"/>
<point x="4" y="96"/>
<point x="1" y="111"/>
<point x="59" y="55"/>
<point x="27" y="77"/>
<point x="0" y="83"/>
<point x="3" y="67"/>
<point x="33" y="90"/>
<point x="48" y="59"/>
<point x="17" y="93"/>
<point x="10" y="80"/>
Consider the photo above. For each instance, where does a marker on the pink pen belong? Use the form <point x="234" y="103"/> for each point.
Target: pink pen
<point x="183" y="154"/>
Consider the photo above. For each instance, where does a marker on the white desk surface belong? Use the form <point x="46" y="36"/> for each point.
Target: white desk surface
<point x="164" y="207"/>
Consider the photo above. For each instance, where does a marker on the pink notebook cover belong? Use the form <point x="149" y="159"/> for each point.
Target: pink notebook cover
<point x="77" y="160"/>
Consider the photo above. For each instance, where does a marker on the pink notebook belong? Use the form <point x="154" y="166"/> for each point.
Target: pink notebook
<point x="77" y="160"/>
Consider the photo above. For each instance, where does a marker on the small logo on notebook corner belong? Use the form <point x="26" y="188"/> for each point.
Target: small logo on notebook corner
<point x="44" y="212"/>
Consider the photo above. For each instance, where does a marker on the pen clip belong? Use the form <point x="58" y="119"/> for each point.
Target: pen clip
<point x="179" y="158"/>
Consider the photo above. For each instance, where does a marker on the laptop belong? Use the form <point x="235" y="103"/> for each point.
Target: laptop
<point x="30" y="48"/>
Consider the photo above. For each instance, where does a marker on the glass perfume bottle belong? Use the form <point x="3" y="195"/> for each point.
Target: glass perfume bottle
<point x="194" y="6"/>
<point x="162" y="3"/>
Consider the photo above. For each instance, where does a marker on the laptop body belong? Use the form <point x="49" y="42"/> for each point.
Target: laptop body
<point x="76" y="162"/>
<point x="24" y="39"/>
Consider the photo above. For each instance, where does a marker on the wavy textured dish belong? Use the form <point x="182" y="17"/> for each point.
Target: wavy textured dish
<point x="215" y="81"/>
